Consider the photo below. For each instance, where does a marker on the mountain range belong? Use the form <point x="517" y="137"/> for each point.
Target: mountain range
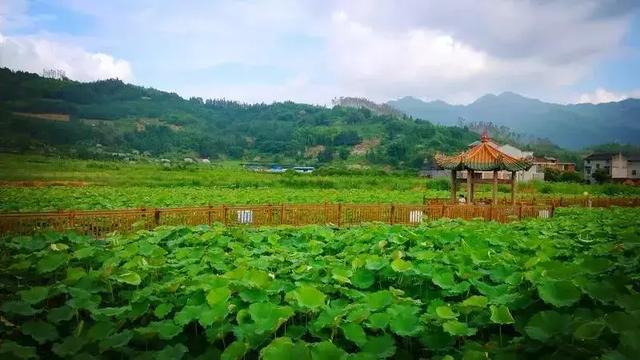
<point x="571" y="126"/>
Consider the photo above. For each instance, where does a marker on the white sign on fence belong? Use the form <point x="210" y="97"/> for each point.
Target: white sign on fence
<point x="415" y="216"/>
<point x="245" y="216"/>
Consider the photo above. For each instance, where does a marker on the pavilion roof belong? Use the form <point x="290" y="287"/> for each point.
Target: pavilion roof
<point x="485" y="156"/>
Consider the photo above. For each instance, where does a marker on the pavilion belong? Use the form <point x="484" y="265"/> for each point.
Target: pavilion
<point x="485" y="156"/>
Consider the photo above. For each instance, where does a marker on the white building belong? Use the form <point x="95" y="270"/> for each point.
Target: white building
<point x="620" y="167"/>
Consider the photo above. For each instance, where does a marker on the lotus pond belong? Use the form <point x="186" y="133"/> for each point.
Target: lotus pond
<point x="560" y="288"/>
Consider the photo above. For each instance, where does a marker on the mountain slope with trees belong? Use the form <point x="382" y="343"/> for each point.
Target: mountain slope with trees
<point x="571" y="126"/>
<point x="37" y="113"/>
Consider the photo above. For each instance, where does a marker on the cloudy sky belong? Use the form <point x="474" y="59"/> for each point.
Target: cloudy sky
<point x="563" y="51"/>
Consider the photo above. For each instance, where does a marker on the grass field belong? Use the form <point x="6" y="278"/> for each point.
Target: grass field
<point x="30" y="183"/>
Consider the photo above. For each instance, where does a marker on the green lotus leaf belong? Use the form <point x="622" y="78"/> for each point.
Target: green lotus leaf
<point x="171" y="352"/>
<point x="235" y="351"/>
<point x="34" y="295"/>
<point x="629" y="302"/>
<point x="327" y="351"/>
<point x="501" y="315"/>
<point x="457" y="328"/>
<point x="71" y="345"/>
<point x="436" y="338"/>
<point x="268" y="317"/>
<point x="101" y="330"/>
<point x="363" y="278"/>
<point x="51" y="262"/>
<point x="354" y="333"/>
<point x="62" y="313"/>
<point x="382" y="346"/>
<point x="547" y="324"/>
<point x="40" y="331"/>
<point x="358" y="315"/>
<point x="404" y="319"/>
<point x="283" y="348"/>
<point x="218" y="296"/>
<point x="595" y="265"/>
<point x="445" y="312"/>
<point x="341" y="274"/>
<point x="131" y="278"/>
<point x="58" y="247"/>
<point x="188" y="314"/>
<point x="309" y="297"/>
<point x="378" y="300"/>
<point x="374" y="262"/>
<point x="589" y="330"/>
<point x="601" y="291"/>
<point x="476" y="301"/>
<point x="444" y="278"/>
<point x="84" y="253"/>
<point x="559" y="293"/>
<point x="116" y="341"/>
<point x="18" y="307"/>
<point x="17" y="351"/>
<point x="166" y="329"/>
<point x="399" y="265"/>
<point x="378" y="321"/>
<point x="253" y="295"/>
<point x="163" y="310"/>
<point x="215" y="313"/>
<point x="112" y="311"/>
<point x="620" y="322"/>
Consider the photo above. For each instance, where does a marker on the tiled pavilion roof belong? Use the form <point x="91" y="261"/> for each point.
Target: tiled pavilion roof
<point x="483" y="157"/>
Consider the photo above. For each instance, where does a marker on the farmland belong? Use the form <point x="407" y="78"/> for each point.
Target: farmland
<point x="33" y="183"/>
<point x="566" y="287"/>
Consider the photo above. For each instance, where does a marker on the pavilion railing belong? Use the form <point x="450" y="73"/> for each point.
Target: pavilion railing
<point x="101" y="223"/>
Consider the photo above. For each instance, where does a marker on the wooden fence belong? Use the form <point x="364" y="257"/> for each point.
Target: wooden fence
<point x="100" y="223"/>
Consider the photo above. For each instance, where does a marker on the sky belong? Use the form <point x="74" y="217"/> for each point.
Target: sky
<point x="564" y="51"/>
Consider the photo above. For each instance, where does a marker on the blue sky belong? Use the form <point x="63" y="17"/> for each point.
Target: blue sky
<point x="310" y="51"/>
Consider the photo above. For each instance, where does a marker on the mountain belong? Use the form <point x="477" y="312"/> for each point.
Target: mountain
<point x="108" y="118"/>
<point x="571" y="126"/>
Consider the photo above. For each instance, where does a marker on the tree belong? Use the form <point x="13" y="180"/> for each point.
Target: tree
<point x="601" y="176"/>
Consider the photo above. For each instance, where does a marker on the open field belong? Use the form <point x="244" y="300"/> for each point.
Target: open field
<point x="565" y="287"/>
<point x="33" y="183"/>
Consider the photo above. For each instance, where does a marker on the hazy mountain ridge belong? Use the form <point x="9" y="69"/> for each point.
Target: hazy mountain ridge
<point x="572" y="126"/>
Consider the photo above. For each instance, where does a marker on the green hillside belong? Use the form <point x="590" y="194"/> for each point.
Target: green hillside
<point x="110" y="116"/>
<point x="570" y="126"/>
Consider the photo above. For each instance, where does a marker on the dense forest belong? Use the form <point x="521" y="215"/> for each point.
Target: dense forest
<point x="40" y="113"/>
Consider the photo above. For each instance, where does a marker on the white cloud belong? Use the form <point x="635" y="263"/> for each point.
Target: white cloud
<point x="34" y="53"/>
<point x="601" y="95"/>
<point x="382" y="49"/>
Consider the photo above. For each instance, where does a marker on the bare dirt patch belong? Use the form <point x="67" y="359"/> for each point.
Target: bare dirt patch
<point x="365" y="146"/>
<point x="52" y="117"/>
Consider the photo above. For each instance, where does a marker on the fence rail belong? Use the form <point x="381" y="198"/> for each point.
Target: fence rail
<point x="586" y="201"/>
<point x="100" y="223"/>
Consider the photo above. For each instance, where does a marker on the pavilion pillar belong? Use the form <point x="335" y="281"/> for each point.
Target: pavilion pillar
<point x="470" y="185"/>
<point x="495" y="187"/>
<point x="513" y="188"/>
<point x="454" y="186"/>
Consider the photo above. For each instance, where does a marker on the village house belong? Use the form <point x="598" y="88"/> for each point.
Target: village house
<point x="624" y="168"/>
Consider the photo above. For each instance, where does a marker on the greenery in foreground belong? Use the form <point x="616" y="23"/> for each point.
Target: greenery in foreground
<point x="116" y="184"/>
<point x="561" y="288"/>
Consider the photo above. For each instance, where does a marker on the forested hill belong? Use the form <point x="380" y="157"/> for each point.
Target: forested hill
<point x="39" y="113"/>
<point x="570" y="126"/>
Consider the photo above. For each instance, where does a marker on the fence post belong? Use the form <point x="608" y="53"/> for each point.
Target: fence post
<point x="209" y="215"/>
<point x="339" y="214"/>
<point x="156" y="216"/>
<point x="520" y="212"/>
<point x="442" y="213"/>
<point x="392" y="214"/>
<point x="491" y="212"/>
<point x="224" y="214"/>
<point x="281" y="214"/>
<point x="326" y="212"/>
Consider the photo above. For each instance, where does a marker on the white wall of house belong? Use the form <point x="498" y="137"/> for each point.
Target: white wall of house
<point x="619" y="167"/>
<point x="590" y="166"/>
<point x="633" y="169"/>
